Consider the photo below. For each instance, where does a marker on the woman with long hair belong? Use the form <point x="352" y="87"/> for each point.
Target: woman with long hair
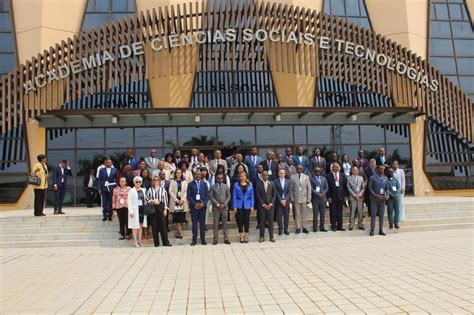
<point x="242" y="203"/>
<point x="157" y="196"/>
<point x="178" y="202"/>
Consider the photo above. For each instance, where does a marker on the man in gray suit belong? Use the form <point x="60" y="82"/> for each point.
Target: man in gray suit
<point x="216" y="162"/>
<point x="301" y="196"/>
<point x="319" y="189"/>
<point x="265" y="196"/>
<point x="283" y="199"/>
<point x="356" y="188"/>
<point x="151" y="162"/>
<point x="317" y="161"/>
<point x="378" y="197"/>
<point x="220" y="198"/>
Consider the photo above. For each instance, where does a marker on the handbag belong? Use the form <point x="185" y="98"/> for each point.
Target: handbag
<point x="33" y="180"/>
<point x="149" y="210"/>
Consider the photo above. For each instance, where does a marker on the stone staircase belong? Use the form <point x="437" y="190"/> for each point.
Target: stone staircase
<point x="84" y="227"/>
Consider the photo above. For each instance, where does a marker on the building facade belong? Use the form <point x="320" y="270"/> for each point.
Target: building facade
<point x="88" y="78"/>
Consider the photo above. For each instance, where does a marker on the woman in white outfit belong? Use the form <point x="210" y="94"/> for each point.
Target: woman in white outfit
<point x="399" y="174"/>
<point x="136" y="203"/>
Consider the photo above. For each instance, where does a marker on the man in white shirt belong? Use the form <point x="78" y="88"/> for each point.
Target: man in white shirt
<point x="399" y="174"/>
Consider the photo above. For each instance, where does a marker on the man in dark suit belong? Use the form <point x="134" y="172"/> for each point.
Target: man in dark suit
<point x="334" y="158"/>
<point x="301" y="159"/>
<point x="378" y="196"/>
<point x="382" y="159"/>
<point x="230" y="160"/>
<point x="90" y="187"/>
<point x="337" y="195"/>
<point x="176" y="157"/>
<point x="288" y="155"/>
<point x="265" y="196"/>
<point x="60" y="174"/>
<point x="107" y="184"/>
<point x="363" y="163"/>
<point x="220" y="198"/>
<point x="319" y="189"/>
<point x="198" y="195"/>
<point x="317" y="161"/>
<point x="252" y="161"/>
<point x="283" y="200"/>
<point x="130" y="157"/>
<point x="270" y="166"/>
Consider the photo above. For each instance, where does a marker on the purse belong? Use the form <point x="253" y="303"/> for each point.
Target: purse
<point x="33" y="180"/>
<point x="149" y="210"/>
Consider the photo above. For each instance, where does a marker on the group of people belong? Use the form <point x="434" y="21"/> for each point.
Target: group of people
<point x="144" y="191"/>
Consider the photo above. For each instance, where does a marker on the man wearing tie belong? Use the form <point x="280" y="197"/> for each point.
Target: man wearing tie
<point x="317" y="161"/>
<point x="378" y="196"/>
<point x="356" y="189"/>
<point x="319" y="189"/>
<point x="151" y="162"/>
<point x="363" y="163"/>
<point x="265" y="195"/>
<point x="216" y="162"/>
<point x="283" y="199"/>
<point x="220" y="198"/>
<point x="290" y="168"/>
<point x="194" y="157"/>
<point x="270" y="166"/>
<point x="301" y="196"/>
<point x="107" y="184"/>
<point x="337" y="194"/>
<point x="176" y="157"/>
<point x="252" y="161"/>
<point x="230" y="160"/>
<point x="198" y="195"/>
<point x="301" y="159"/>
<point x="60" y="174"/>
<point x="288" y="155"/>
<point x="130" y="157"/>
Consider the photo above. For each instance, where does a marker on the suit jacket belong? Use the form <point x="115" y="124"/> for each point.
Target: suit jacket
<point x="289" y="170"/>
<point x="363" y="163"/>
<point x="41" y="171"/>
<point x="376" y="183"/>
<point x="150" y="165"/>
<point x="273" y="167"/>
<point x="85" y="182"/>
<point x="193" y="190"/>
<point x="300" y="190"/>
<point x="230" y="160"/>
<point x="173" y="193"/>
<point x="252" y="167"/>
<point x="355" y="186"/>
<point x="213" y="166"/>
<point x="133" y="162"/>
<point x="321" y="164"/>
<point x="241" y="200"/>
<point x="379" y="160"/>
<point x="304" y="162"/>
<point x="220" y="196"/>
<point x="265" y="198"/>
<point x="323" y="187"/>
<point x="104" y="178"/>
<point x="58" y="176"/>
<point x="334" y="192"/>
<point x="283" y="193"/>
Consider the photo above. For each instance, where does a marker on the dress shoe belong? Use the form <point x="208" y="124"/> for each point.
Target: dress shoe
<point x="381" y="232"/>
<point x="122" y="238"/>
<point x="351" y="228"/>
<point x="104" y="219"/>
<point x="168" y="228"/>
<point x="55" y="212"/>
<point x="333" y="229"/>
<point x="261" y="240"/>
<point x="272" y="240"/>
<point x="362" y="228"/>
<point x="280" y="232"/>
<point x="61" y="212"/>
<point x="110" y="218"/>
<point x="227" y="242"/>
<point x="242" y="241"/>
<point x="390" y="226"/>
<point x="168" y="244"/>
<point x="341" y="229"/>
<point x="193" y="243"/>
<point x="43" y="215"/>
<point x="246" y="241"/>
<point x="305" y="231"/>
<point x="203" y="243"/>
<point x="323" y="230"/>
<point x="372" y="233"/>
<point x="298" y="231"/>
<point x="397" y="226"/>
<point x="286" y="232"/>
<point x="215" y="242"/>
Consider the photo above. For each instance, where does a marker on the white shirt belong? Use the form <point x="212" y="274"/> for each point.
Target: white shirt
<point x="98" y="170"/>
<point x="347" y="168"/>
<point x="91" y="182"/>
<point x="109" y="169"/>
<point x="399" y="174"/>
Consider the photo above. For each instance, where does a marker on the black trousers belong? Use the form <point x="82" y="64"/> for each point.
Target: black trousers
<point x="335" y="212"/>
<point x="283" y="214"/>
<point x="90" y="196"/>
<point x="266" y="217"/>
<point x="243" y="220"/>
<point x="59" y="195"/>
<point x="122" y="215"/>
<point x="40" y="196"/>
<point x="158" y="226"/>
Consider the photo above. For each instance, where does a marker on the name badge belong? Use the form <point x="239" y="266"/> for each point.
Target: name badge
<point x="382" y="191"/>
<point x="283" y="196"/>
<point x="178" y="194"/>
<point x="300" y="188"/>
<point x="140" y="202"/>
<point x="394" y="188"/>
<point x="198" y="197"/>
<point x="269" y="172"/>
<point x="337" y="184"/>
<point x="318" y="189"/>
<point x="122" y="201"/>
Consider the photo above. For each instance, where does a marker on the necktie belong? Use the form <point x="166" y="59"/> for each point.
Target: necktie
<point x="318" y="160"/>
<point x="265" y="185"/>
<point x="299" y="177"/>
<point x="337" y="176"/>
<point x="254" y="159"/>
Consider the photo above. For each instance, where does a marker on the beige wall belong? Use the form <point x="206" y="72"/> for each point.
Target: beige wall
<point x="40" y="24"/>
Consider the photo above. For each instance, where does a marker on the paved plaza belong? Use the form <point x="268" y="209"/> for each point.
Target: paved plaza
<point x="417" y="272"/>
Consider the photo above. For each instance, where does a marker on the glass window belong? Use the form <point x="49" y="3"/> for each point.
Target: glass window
<point x="400" y="152"/>
<point x="300" y="134"/>
<point x="453" y="79"/>
<point x="194" y="136"/>
<point x="235" y="136"/>
<point x="349" y="134"/>
<point x="54" y="157"/>
<point x="148" y="137"/>
<point x="464" y="48"/>
<point x="88" y="159"/>
<point x="94" y="20"/>
<point x="119" y="5"/>
<point x="60" y="138"/>
<point x="267" y="135"/>
<point x="90" y="138"/>
<point x="337" y="7"/>
<point x="441" y="11"/>
<point x="352" y="7"/>
<point x="7" y="62"/>
<point x="440" y="29"/>
<point x="102" y="5"/>
<point x="371" y="134"/>
<point x="170" y="138"/>
<point x="467" y="84"/>
<point x="350" y="150"/>
<point x="5" y="25"/>
<point x="444" y="64"/>
<point x="397" y="134"/>
<point x="352" y="11"/>
<point x="462" y="29"/>
<point x="465" y="66"/>
<point x="455" y="12"/>
<point x="11" y="187"/>
<point x="6" y="42"/>
<point x="441" y="47"/>
<point x="318" y="135"/>
<point x="119" y="137"/>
